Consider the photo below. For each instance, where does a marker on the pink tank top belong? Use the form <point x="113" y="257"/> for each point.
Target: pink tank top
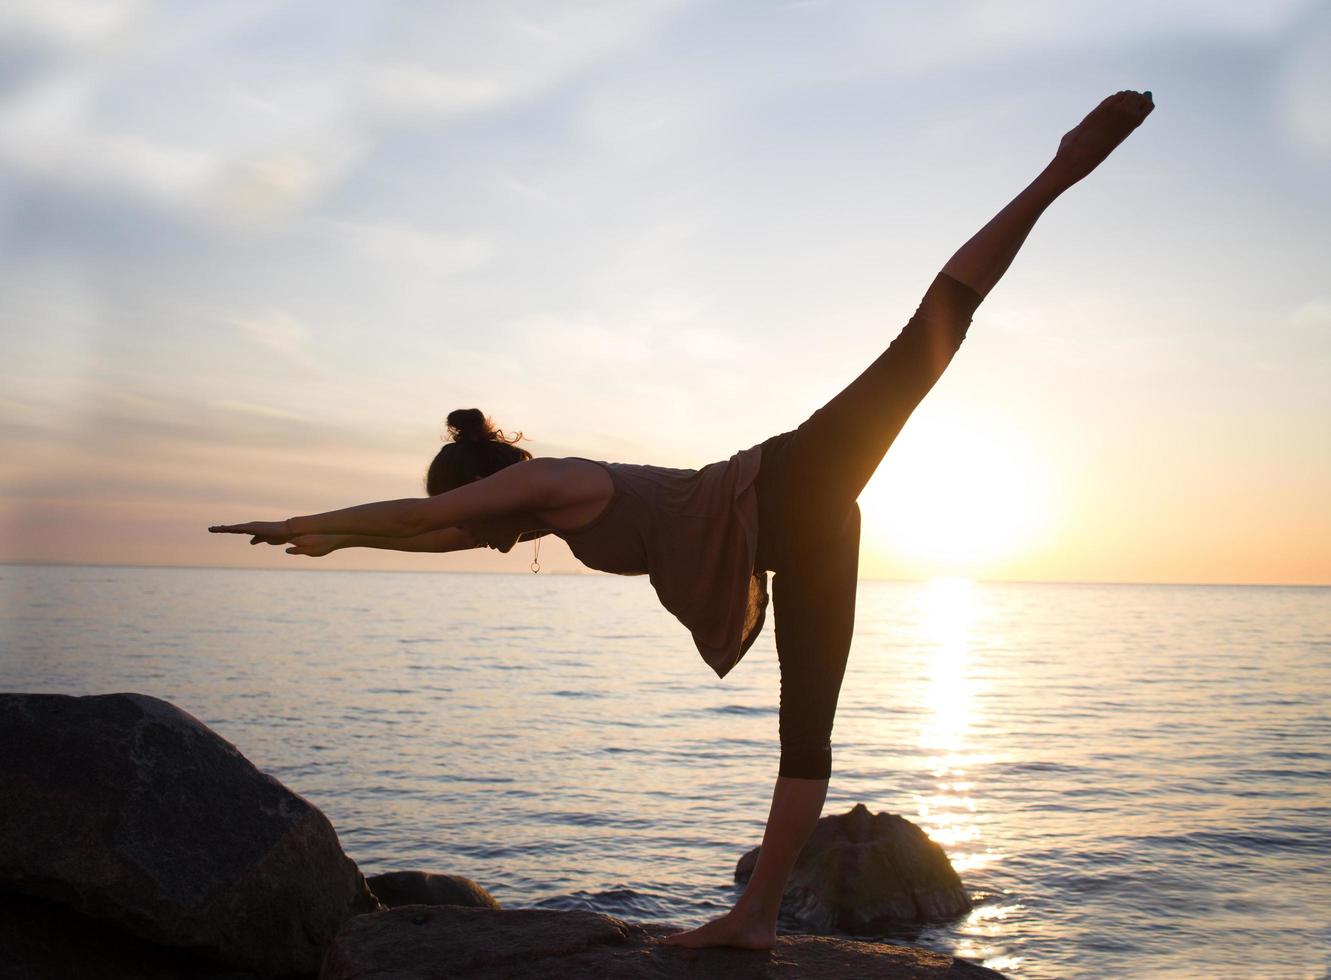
<point x="694" y="533"/>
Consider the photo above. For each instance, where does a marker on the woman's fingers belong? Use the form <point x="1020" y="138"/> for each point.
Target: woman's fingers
<point x="263" y="532"/>
<point x="250" y="528"/>
<point x="306" y="544"/>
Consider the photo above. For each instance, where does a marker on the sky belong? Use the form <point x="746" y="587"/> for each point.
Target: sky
<point x="255" y="252"/>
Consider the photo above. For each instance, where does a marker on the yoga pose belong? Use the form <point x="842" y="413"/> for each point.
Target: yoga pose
<point x="707" y="538"/>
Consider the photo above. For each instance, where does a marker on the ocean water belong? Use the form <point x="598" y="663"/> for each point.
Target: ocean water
<point x="1132" y="781"/>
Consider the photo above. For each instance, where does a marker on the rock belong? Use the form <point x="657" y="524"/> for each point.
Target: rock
<point x="130" y="811"/>
<point x="418" y="942"/>
<point x="426" y="888"/>
<point x="866" y="874"/>
<point x="40" y="940"/>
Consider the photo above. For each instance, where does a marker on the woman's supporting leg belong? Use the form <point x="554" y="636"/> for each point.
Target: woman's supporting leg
<point x="751" y="924"/>
<point x="814" y="600"/>
<point x="813" y="597"/>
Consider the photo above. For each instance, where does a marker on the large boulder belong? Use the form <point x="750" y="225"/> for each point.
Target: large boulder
<point x="867" y="874"/>
<point x="419" y="942"/>
<point x="41" y="940"/>
<point x="128" y="810"/>
<point x="394" y="888"/>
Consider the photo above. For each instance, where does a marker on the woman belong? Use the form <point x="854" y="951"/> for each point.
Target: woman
<point x="708" y="537"/>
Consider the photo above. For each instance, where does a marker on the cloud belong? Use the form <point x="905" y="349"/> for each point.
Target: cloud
<point x="878" y="39"/>
<point x="1305" y="88"/>
<point x="178" y="108"/>
<point x="457" y="58"/>
<point x="280" y="333"/>
<point x="52" y="133"/>
<point x="182" y="113"/>
<point x="267" y="185"/>
<point x="67" y="22"/>
<point x="1314" y="314"/>
<point x="47" y="132"/>
<point x="1043" y="22"/>
<point x="405" y="89"/>
<point x="248" y="408"/>
<point x="396" y="243"/>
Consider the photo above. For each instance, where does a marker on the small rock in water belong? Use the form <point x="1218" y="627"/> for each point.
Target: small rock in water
<point x="862" y="873"/>
<point x="130" y="811"/>
<point x="397" y="888"/>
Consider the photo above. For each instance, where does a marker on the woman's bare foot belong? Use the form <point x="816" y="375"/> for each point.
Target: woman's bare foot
<point x="729" y="930"/>
<point x="1106" y="126"/>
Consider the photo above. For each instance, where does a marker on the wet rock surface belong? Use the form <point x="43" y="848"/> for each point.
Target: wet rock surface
<point x="867" y="874"/>
<point x="126" y="810"/>
<point x="395" y="888"/>
<point x="420" y="942"/>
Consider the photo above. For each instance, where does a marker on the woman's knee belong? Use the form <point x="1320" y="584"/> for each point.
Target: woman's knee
<point x="806" y="761"/>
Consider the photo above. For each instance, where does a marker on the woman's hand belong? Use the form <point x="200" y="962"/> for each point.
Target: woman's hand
<point x="316" y="545"/>
<point x="264" y="532"/>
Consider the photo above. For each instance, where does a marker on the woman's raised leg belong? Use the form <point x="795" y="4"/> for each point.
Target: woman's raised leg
<point x="828" y="460"/>
<point x="981" y="262"/>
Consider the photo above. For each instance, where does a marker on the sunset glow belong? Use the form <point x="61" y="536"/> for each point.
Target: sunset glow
<point x="957" y="497"/>
<point x="246" y="281"/>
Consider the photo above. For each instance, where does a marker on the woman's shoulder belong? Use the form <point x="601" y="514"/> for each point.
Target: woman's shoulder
<point x="576" y="489"/>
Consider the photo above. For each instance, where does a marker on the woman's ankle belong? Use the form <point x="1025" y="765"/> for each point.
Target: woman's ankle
<point x="755" y="912"/>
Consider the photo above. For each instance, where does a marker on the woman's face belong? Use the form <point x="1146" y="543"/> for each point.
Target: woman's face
<point x="498" y="533"/>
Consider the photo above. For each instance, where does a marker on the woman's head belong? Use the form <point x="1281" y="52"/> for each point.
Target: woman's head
<point x="477" y="450"/>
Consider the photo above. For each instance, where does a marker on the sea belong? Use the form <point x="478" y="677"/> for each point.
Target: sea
<point x="1131" y="780"/>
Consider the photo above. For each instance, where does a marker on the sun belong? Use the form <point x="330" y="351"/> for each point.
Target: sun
<point x="955" y="496"/>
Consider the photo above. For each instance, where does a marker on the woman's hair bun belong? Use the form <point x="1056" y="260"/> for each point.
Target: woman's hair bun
<point x="477" y="450"/>
<point x="470" y="425"/>
<point x="473" y="425"/>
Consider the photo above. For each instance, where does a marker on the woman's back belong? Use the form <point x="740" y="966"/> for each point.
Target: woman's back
<point x="694" y="533"/>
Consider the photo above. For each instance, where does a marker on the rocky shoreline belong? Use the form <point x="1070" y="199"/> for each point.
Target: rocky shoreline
<point x="136" y="842"/>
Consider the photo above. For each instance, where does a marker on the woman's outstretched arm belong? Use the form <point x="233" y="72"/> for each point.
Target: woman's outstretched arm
<point x="433" y="542"/>
<point x="520" y="488"/>
<point x="533" y="485"/>
<point x="981" y="262"/>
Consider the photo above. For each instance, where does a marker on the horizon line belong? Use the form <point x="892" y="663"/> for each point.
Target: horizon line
<point x="592" y="574"/>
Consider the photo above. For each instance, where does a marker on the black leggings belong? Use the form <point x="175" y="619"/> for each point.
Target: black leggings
<point x="809" y="523"/>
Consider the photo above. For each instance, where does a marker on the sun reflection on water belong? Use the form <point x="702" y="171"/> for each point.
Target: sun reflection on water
<point x="948" y="814"/>
<point x="983" y="925"/>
